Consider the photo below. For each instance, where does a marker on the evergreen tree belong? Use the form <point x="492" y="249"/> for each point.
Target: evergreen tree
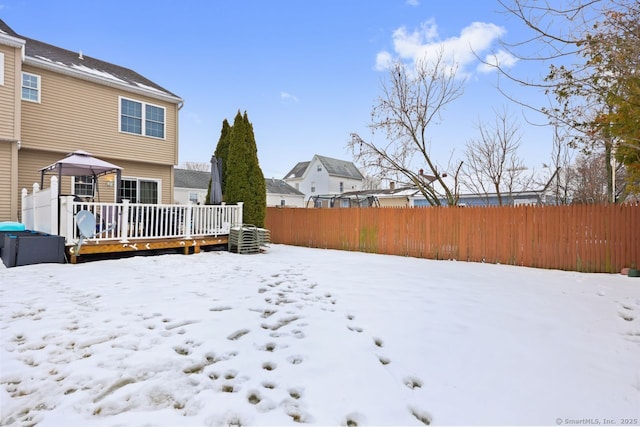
<point x="244" y="178"/>
<point x="222" y="151"/>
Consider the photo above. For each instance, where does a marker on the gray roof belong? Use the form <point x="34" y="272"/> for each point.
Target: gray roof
<point x="184" y="178"/>
<point x="79" y="63"/>
<point x="278" y="186"/>
<point x="340" y="167"/>
<point x="333" y="167"/>
<point x="298" y="170"/>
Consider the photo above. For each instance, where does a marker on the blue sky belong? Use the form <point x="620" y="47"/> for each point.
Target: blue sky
<point x="306" y="72"/>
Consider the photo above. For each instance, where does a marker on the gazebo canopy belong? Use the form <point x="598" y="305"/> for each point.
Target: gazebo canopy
<point x="82" y="163"/>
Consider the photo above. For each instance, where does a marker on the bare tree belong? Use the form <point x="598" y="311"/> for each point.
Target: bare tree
<point x="371" y="182"/>
<point x="197" y="166"/>
<point x="561" y="178"/>
<point x="411" y="101"/>
<point x="591" y="180"/>
<point x="492" y="164"/>
<point x="591" y="48"/>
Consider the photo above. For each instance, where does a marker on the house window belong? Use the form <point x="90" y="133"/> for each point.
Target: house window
<point x="193" y="197"/>
<point x="83" y="185"/>
<point x="129" y="190"/>
<point x="341" y="187"/>
<point x="139" y="190"/>
<point x="148" y="191"/>
<point x="30" y="87"/>
<point x="154" y="121"/>
<point x="141" y="118"/>
<point x="313" y="187"/>
<point x="297" y="186"/>
<point x="282" y="203"/>
<point x="319" y="168"/>
<point x="344" y="203"/>
<point x="1" y="69"/>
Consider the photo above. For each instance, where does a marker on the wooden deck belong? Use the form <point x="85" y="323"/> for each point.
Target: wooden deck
<point x="188" y="246"/>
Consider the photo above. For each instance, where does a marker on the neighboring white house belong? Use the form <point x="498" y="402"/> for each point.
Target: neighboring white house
<point x="324" y="175"/>
<point x="190" y="186"/>
<point x="279" y="193"/>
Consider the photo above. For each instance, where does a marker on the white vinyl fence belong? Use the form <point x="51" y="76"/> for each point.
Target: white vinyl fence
<point x="45" y="211"/>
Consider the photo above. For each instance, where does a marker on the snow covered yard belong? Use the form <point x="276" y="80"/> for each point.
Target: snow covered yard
<point x="313" y="336"/>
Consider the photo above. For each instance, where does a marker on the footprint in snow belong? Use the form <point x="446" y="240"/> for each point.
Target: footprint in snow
<point x="238" y="334"/>
<point x="413" y="382"/>
<point x="422" y="416"/>
<point x="384" y="360"/>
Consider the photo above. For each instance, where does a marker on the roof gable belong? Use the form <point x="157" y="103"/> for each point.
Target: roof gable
<point x="5" y="29"/>
<point x="298" y="170"/>
<point x="334" y="167"/>
<point x="38" y="53"/>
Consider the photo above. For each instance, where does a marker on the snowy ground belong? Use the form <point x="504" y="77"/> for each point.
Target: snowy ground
<point x="323" y="337"/>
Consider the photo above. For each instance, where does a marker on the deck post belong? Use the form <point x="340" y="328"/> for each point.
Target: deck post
<point x="35" y="189"/>
<point x="238" y="219"/>
<point x="24" y="215"/>
<point x="67" y="221"/>
<point x="189" y="219"/>
<point x="124" y="221"/>
<point x="53" y="206"/>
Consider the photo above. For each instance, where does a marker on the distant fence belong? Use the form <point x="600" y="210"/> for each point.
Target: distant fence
<point x="587" y="238"/>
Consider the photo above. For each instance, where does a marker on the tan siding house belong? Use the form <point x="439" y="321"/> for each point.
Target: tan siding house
<point x="54" y="101"/>
<point x="10" y="55"/>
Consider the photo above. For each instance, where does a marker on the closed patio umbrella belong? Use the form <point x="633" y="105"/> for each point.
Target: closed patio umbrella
<point x="215" y="192"/>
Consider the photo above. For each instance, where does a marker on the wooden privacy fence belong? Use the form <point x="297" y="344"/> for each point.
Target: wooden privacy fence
<point x="587" y="238"/>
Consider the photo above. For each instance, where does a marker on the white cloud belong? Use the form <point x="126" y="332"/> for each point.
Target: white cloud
<point x="287" y="96"/>
<point x="425" y="43"/>
<point x="502" y="58"/>
<point x="413" y="2"/>
<point x="383" y="60"/>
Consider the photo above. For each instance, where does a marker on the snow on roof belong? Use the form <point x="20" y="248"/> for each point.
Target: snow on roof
<point x="42" y="54"/>
<point x="96" y="72"/>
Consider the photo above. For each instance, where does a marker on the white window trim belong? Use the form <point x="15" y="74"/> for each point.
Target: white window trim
<point x="73" y="187"/>
<point x="1" y="69"/>
<point x="39" y="88"/>
<point x="138" y="179"/>
<point x="144" y="112"/>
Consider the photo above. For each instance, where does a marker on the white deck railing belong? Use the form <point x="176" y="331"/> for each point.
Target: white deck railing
<point x="124" y="221"/>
